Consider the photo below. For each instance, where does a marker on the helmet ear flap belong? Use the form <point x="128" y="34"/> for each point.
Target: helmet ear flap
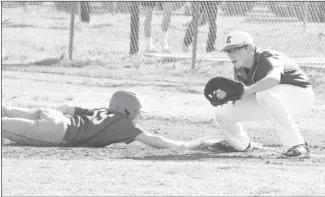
<point x="127" y="113"/>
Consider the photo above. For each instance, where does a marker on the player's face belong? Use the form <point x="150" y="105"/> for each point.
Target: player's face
<point x="238" y="56"/>
<point x="136" y="117"/>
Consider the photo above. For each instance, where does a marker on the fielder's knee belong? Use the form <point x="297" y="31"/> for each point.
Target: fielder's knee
<point x="223" y="115"/>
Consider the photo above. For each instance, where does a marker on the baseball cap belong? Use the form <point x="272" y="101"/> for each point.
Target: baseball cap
<point x="237" y="39"/>
<point x="127" y="100"/>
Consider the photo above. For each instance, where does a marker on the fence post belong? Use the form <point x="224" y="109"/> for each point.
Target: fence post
<point x="196" y="26"/>
<point x="71" y="31"/>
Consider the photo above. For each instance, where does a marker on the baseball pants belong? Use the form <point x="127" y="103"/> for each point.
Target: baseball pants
<point x="34" y="126"/>
<point x="278" y="105"/>
<point x="210" y="10"/>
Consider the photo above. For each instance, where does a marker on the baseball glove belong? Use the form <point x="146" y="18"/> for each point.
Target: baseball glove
<point x="234" y="90"/>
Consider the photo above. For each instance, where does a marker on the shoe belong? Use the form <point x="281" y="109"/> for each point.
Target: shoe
<point x="298" y="151"/>
<point x="185" y="49"/>
<point x="151" y="49"/>
<point x="224" y="146"/>
<point x="167" y="49"/>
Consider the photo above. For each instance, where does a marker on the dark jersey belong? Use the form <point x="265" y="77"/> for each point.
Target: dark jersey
<point x="265" y="61"/>
<point x="99" y="128"/>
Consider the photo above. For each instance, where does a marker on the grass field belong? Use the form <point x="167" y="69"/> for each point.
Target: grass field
<point x="172" y="91"/>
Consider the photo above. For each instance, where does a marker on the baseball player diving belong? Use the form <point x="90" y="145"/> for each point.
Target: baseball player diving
<point x="75" y="126"/>
<point x="275" y="89"/>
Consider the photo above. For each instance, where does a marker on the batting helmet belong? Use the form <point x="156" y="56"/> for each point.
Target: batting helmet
<point x="126" y="102"/>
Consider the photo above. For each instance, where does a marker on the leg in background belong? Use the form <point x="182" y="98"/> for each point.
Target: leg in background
<point x="148" y="10"/>
<point x="188" y="38"/>
<point x="211" y="12"/>
<point x="134" y="30"/>
<point x="167" y="9"/>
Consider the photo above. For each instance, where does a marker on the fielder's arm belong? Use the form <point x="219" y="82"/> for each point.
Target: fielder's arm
<point x="275" y="69"/>
<point x="269" y="81"/>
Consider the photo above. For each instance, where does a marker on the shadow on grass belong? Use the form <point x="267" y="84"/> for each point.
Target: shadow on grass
<point x="20" y="26"/>
<point x="102" y="25"/>
<point x="5" y="65"/>
<point x="43" y="62"/>
<point x="194" y="156"/>
<point x="12" y="25"/>
<point x="31" y="26"/>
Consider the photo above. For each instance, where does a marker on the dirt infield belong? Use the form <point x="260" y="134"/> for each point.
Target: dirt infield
<point x="178" y="111"/>
<point x="84" y="172"/>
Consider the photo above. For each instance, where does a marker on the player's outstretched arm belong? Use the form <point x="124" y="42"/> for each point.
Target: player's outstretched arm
<point x="161" y="142"/>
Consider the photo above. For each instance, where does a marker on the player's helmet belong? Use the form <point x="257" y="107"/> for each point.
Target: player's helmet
<point x="126" y="102"/>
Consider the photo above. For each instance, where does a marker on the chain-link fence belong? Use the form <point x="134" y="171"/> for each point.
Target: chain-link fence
<point x="111" y="31"/>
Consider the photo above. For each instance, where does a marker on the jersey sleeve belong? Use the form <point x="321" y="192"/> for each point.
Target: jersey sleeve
<point x="272" y="61"/>
<point x="82" y="111"/>
<point x="126" y="132"/>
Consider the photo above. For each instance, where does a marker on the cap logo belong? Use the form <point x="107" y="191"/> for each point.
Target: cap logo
<point x="228" y="40"/>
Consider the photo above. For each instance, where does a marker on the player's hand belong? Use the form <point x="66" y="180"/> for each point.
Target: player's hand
<point x="220" y="94"/>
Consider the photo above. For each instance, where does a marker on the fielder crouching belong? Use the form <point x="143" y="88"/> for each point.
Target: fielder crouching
<point x="75" y="126"/>
<point x="276" y="90"/>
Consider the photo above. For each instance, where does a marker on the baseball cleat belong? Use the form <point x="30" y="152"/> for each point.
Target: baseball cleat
<point x="150" y="50"/>
<point x="224" y="146"/>
<point x="298" y="151"/>
<point x="167" y="49"/>
<point x="185" y="49"/>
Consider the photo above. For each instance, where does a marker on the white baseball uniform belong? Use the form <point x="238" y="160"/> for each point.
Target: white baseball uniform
<point x="293" y="96"/>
